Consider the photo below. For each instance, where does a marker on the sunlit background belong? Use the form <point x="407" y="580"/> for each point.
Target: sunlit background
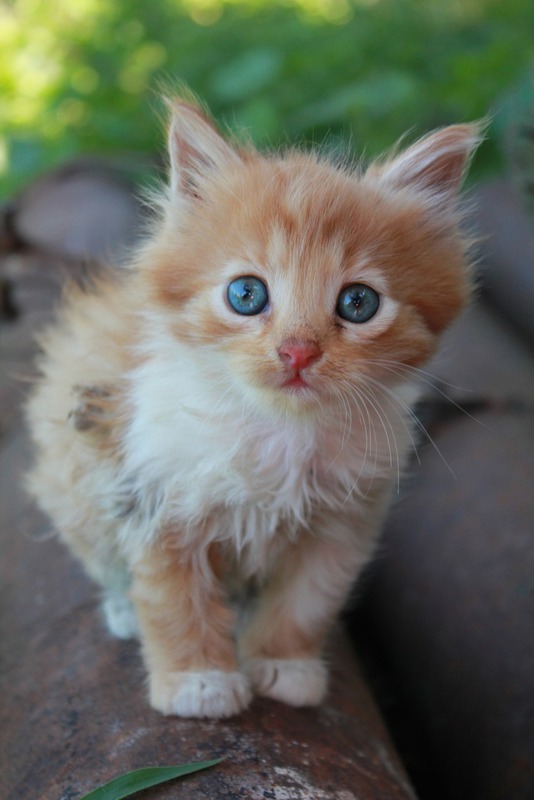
<point x="82" y="76"/>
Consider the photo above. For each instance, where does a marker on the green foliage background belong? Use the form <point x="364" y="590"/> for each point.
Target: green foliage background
<point x="80" y="76"/>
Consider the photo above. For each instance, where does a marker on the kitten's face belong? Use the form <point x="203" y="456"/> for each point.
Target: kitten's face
<point x="303" y="281"/>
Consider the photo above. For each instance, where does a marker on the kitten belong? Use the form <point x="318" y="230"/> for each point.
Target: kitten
<point x="234" y="409"/>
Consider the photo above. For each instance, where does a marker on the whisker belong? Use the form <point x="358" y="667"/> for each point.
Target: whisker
<point x="369" y="431"/>
<point x="384" y="417"/>
<point x="361" y="403"/>
<point x="395" y="401"/>
<point x="416" y="420"/>
<point x="432" y="377"/>
<point x="430" y="380"/>
<point x="347" y="416"/>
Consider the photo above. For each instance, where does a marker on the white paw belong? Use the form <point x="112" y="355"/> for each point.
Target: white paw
<point x="211" y="693"/>
<point x="295" y="681"/>
<point x="120" y="616"/>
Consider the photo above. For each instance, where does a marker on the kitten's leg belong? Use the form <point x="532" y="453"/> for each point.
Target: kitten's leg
<point x="282" y="644"/>
<point x="118" y="609"/>
<point x="108" y="569"/>
<point x="92" y="416"/>
<point x="187" y="637"/>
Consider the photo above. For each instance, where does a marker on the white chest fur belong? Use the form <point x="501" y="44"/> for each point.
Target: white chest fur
<point x="196" y="451"/>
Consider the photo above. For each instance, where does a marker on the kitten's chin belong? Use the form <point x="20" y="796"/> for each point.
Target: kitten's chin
<point x="298" y="395"/>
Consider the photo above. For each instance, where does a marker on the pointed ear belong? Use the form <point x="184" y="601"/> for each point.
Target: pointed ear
<point x="435" y="164"/>
<point x="196" y="149"/>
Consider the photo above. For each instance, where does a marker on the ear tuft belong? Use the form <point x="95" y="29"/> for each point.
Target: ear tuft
<point x="436" y="163"/>
<point x="196" y="149"/>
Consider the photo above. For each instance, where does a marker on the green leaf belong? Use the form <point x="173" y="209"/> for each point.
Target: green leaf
<point x="132" y="782"/>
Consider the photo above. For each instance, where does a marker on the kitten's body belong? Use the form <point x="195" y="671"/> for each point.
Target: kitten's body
<point x="185" y="449"/>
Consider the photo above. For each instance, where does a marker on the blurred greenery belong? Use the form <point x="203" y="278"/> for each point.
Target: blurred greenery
<point x="80" y="76"/>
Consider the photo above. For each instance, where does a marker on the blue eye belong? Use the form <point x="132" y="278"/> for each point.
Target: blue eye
<point x="247" y="295"/>
<point x="357" y="303"/>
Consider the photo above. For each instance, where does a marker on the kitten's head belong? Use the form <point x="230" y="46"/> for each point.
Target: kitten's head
<point x="301" y="279"/>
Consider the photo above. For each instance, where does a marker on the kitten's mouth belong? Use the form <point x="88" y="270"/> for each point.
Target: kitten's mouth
<point x="296" y="382"/>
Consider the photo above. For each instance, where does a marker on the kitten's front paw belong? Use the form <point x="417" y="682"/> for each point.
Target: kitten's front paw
<point x="211" y="693"/>
<point x="295" y="681"/>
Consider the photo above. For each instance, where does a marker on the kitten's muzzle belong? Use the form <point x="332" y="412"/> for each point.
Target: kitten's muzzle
<point x="296" y="356"/>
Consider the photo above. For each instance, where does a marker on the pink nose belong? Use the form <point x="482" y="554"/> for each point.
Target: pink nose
<point x="299" y="355"/>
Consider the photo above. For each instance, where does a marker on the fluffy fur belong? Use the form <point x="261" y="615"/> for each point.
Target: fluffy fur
<point x="186" y="455"/>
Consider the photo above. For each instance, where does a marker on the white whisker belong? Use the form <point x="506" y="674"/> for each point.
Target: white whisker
<point x="429" y="379"/>
<point x="362" y="404"/>
<point x="347" y="416"/>
<point x="386" y="390"/>
<point x="386" y="423"/>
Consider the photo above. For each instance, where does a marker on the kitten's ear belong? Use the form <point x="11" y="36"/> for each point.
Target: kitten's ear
<point x="196" y="149"/>
<point x="435" y="164"/>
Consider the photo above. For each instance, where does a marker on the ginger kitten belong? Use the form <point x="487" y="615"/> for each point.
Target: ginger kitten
<point x="234" y="408"/>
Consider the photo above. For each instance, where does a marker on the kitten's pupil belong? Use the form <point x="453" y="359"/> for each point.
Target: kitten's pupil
<point x="247" y="295"/>
<point x="357" y="303"/>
